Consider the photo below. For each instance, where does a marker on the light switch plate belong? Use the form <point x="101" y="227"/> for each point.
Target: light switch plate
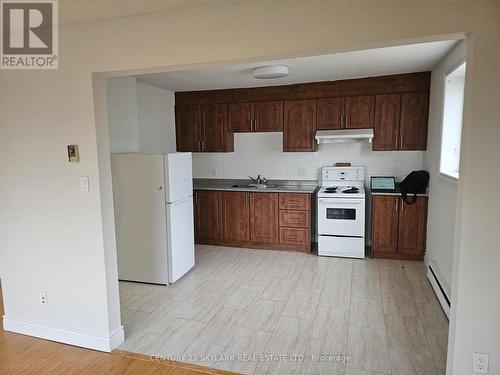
<point x="84" y="184"/>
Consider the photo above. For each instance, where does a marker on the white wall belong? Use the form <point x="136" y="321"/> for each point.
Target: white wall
<point x="442" y="190"/>
<point x="141" y="117"/>
<point x="52" y="235"/>
<point x="156" y="119"/>
<point x="262" y="153"/>
<point x="122" y="114"/>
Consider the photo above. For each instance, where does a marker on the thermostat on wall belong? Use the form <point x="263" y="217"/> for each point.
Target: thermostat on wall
<point x="73" y="154"/>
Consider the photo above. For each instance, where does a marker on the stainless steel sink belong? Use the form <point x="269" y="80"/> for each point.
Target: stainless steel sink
<point x="255" y="186"/>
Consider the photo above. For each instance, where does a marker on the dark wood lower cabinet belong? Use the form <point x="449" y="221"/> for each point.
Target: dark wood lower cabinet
<point x="236" y="216"/>
<point x="255" y="220"/>
<point x="398" y="228"/>
<point x="264" y="217"/>
<point x="412" y="227"/>
<point x="208" y="215"/>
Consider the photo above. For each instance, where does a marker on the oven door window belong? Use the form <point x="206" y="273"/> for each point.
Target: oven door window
<point x="341" y="213"/>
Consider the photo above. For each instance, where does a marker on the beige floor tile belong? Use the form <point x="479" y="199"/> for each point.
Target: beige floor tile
<point x="278" y="289"/>
<point x="411" y="364"/>
<point x="202" y="353"/>
<point x="323" y="357"/>
<point x="389" y="263"/>
<point x="399" y="302"/>
<point x="415" y="270"/>
<point x="433" y="318"/>
<point x="161" y="321"/>
<point x="355" y="371"/>
<point x="366" y="313"/>
<point x="440" y="367"/>
<point x="393" y="278"/>
<point x="295" y="301"/>
<point x="406" y="334"/>
<point x="184" y="332"/>
<point x="439" y="346"/>
<point x="276" y="366"/>
<point x="313" y="274"/>
<point x="341" y="261"/>
<point x="204" y="308"/>
<point x="132" y="317"/>
<point x="264" y="315"/>
<point x="287" y="323"/>
<point x="143" y="343"/>
<point x="244" y="298"/>
<point x="365" y="268"/>
<point x="422" y="291"/>
<point x="368" y="350"/>
<point x="330" y="324"/>
<point x="335" y="295"/>
<point x="244" y="351"/>
<point x="302" y="304"/>
<point x="365" y="287"/>
<point x="222" y="326"/>
<point x="339" y="273"/>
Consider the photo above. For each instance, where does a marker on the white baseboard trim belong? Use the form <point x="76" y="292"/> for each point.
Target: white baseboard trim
<point x="442" y="297"/>
<point x="66" y="335"/>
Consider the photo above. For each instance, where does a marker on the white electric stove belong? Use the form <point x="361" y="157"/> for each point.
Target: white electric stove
<point x="341" y="212"/>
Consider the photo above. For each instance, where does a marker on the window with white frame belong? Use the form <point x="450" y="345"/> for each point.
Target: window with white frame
<point x="452" y="121"/>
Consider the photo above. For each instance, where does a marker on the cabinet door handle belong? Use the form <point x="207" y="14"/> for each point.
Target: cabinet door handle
<point x="397" y="204"/>
<point x="401" y="143"/>
<point x="203" y="145"/>
<point x="345" y="121"/>
<point x="402" y="206"/>
<point x="196" y="197"/>
<point x="396" y="144"/>
<point x="254" y="125"/>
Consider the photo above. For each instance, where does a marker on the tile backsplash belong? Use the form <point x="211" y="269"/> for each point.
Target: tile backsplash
<point x="262" y="153"/>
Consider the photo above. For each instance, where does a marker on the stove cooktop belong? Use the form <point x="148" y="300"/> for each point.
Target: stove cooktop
<point x="337" y="191"/>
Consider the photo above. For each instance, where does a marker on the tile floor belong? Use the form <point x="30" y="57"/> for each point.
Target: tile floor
<point x="266" y="306"/>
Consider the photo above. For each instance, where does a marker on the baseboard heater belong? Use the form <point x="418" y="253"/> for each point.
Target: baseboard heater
<point x="438" y="289"/>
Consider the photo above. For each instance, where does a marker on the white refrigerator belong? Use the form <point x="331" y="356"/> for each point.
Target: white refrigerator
<point x="153" y="202"/>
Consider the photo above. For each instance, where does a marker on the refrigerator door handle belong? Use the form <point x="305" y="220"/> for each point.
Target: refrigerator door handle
<point x="181" y="200"/>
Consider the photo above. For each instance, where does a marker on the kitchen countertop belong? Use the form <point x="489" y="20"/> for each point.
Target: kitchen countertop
<point x="284" y="186"/>
<point x="423" y="193"/>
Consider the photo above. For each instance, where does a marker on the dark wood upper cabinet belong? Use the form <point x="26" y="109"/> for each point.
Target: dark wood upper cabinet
<point x="264" y="217"/>
<point x="412" y="227"/>
<point x="385" y="224"/>
<point x="359" y="112"/>
<point x="208" y="215"/>
<point x="414" y="121"/>
<point x="215" y="137"/>
<point x="299" y="125"/>
<point x="240" y="117"/>
<point x="236" y="218"/>
<point x="386" y="129"/>
<point x="268" y="116"/>
<point x="395" y="106"/>
<point x="187" y="127"/>
<point x="330" y="113"/>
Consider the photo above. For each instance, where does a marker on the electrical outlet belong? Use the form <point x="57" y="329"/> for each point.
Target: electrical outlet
<point x="302" y="172"/>
<point x="43" y="299"/>
<point x="480" y="363"/>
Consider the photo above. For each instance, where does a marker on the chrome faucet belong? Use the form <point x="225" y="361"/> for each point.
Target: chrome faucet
<point x="258" y="180"/>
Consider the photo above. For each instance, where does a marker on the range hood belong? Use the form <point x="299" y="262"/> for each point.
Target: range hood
<point x="344" y="135"/>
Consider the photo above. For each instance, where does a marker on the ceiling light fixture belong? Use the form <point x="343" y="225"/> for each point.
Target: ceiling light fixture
<point x="270" y="72"/>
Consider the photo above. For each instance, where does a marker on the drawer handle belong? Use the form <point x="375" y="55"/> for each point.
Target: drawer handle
<point x="292" y="237"/>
